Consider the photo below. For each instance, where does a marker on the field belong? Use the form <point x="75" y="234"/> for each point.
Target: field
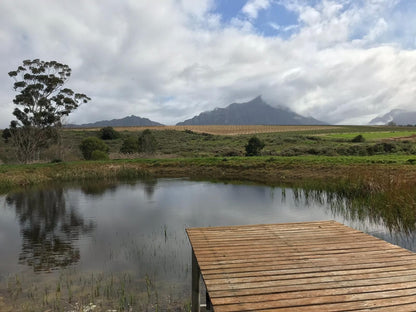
<point x="228" y="130"/>
<point x="374" y="136"/>
<point x="227" y="141"/>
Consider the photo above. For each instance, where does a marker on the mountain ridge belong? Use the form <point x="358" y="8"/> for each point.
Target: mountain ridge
<point x="129" y="121"/>
<point x="254" y="112"/>
<point x="397" y="116"/>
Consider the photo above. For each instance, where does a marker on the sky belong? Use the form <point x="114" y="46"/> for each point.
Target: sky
<point x="342" y="62"/>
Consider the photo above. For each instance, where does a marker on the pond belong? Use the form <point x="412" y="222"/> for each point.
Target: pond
<point x="123" y="246"/>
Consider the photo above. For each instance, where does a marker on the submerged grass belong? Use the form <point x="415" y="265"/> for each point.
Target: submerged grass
<point x="76" y="291"/>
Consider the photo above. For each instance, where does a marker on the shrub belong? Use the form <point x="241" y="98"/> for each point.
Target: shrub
<point x="147" y="142"/>
<point x="91" y="144"/>
<point x="130" y="145"/>
<point x="99" y="155"/>
<point x="231" y="153"/>
<point x="108" y="133"/>
<point x="358" y="139"/>
<point x="254" y="146"/>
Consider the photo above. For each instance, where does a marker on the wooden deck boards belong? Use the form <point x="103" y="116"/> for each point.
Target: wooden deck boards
<point x="311" y="266"/>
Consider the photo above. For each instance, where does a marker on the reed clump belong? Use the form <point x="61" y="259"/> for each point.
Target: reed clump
<point x="380" y="196"/>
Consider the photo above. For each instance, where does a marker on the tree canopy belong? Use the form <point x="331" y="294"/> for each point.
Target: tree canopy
<point x="41" y="102"/>
<point x="254" y="146"/>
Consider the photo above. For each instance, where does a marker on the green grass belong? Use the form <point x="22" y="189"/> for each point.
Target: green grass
<point x="372" y="136"/>
<point x="188" y="144"/>
<point x="263" y="169"/>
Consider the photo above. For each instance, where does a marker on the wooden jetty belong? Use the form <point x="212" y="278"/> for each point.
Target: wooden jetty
<point x="309" y="266"/>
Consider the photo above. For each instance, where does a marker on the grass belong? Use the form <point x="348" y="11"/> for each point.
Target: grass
<point x="70" y="290"/>
<point x="374" y="136"/>
<point x="225" y="129"/>
<point x="224" y="141"/>
<point x="264" y="169"/>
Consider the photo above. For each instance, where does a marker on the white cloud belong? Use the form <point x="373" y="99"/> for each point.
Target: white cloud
<point x="169" y="60"/>
<point x="252" y="7"/>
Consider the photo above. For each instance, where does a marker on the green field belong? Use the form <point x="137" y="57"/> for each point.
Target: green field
<point x="174" y="142"/>
<point x="373" y="136"/>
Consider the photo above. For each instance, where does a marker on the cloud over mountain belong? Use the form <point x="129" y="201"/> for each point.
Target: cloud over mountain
<point x="254" y="112"/>
<point x="340" y="61"/>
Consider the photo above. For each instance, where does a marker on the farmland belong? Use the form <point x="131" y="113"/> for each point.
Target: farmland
<point x="229" y="130"/>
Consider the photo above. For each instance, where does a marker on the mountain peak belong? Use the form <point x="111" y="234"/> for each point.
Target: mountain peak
<point x="254" y="112"/>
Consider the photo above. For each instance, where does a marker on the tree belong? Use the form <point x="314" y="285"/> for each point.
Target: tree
<point x="41" y="103"/>
<point x="91" y="144"/>
<point x="108" y="133"/>
<point x="358" y="139"/>
<point x="147" y="142"/>
<point x="254" y="146"/>
<point x="130" y="145"/>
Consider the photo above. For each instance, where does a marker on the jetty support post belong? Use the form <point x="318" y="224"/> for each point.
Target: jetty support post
<point x="208" y="302"/>
<point x="196" y="272"/>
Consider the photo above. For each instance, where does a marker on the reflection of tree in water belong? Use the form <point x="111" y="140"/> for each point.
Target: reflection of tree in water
<point x="49" y="228"/>
<point x="99" y="188"/>
<point x="149" y="186"/>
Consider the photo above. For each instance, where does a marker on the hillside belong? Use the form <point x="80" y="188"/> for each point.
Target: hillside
<point x="254" y="112"/>
<point x="130" y="121"/>
<point x="397" y="116"/>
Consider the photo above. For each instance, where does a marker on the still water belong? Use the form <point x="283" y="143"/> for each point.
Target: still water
<point x="123" y="246"/>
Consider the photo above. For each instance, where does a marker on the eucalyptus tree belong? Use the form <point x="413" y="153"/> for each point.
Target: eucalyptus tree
<point x="41" y="103"/>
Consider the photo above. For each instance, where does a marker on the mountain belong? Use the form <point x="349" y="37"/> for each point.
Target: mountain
<point x="254" y="112"/>
<point x="398" y="116"/>
<point x="130" y="121"/>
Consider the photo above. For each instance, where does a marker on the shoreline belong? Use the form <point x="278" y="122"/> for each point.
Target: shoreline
<point x="265" y="170"/>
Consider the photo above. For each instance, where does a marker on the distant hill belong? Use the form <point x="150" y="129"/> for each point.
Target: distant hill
<point x="398" y="116"/>
<point x="130" y="121"/>
<point x="254" y="112"/>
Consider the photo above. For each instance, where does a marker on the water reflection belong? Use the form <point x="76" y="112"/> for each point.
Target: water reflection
<point x="390" y="212"/>
<point x="49" y="228"/>
<point x="137" y="247"/>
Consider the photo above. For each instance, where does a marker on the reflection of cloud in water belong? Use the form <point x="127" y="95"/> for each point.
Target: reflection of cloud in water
<point x="140" y="225"/>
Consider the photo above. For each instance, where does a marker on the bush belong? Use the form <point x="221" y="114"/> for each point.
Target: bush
<point x="99" y="155"/>
<point x="254" y="146"/>
<point x="108" y="133"/>
<point x="91" y="144"/>
<point x="358" y="139"/>
<point x="147" y="142"/>
<point x="130" y="145"/>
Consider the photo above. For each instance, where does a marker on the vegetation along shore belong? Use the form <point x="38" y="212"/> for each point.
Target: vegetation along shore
<point x="320" y="154"/>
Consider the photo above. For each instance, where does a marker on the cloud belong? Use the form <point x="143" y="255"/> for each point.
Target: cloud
<point x="169" y="60"/>
<point x="252" y="7"/>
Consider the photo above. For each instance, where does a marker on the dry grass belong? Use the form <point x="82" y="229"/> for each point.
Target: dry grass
<point x="224" y="130"/>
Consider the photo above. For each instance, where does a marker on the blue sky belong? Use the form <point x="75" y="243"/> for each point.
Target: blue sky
<point x="275" y="20"/>
<point x="340" y="61"/>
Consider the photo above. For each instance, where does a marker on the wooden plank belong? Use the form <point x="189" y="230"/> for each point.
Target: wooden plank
<point x="351" y="299"/>
<point x="314" y="293"/>
<point x="311" y="266"/>
<point x="294" y="287"/>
